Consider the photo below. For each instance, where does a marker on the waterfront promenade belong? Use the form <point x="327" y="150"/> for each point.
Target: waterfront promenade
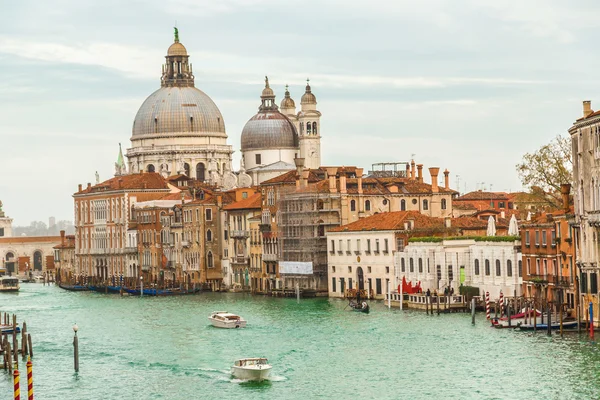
<point x="164" y="348"/>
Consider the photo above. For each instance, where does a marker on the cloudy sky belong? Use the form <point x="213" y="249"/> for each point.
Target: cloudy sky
<point x="468" y="85"/>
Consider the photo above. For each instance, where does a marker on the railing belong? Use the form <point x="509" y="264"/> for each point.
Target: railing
<point x="146" y="268"/>
<point x="269" y="257"/>
<point x="240" y="260"/>
<point x="562" y="281"/>
<point x="185" y="243"/>
<point x="130" y="249"/>
<point x="536" y="278"/>
<point x="239" y="234"/>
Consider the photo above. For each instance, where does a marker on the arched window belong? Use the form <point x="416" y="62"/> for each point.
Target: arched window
<point x="476" y="267"/>
<point x="498" y="268"/>
<point x="314" y="128"/>
<point x="425" y="205"/>
<point x="508" y="268"/>
<point x="402" y="265"/>
<point x="443" y="204"/>
<point x="200" y="172"/>
<point x="319" y="204"/>
<point x="150" y="168"/>
<point x="209" y="260"/>
<point x="37" y="261"/>
<point x="308" y="128"/>
<point x="186" y="168"/>
<point x="402" y="205"/>
<point x="368" y="205"/>
<point x="352" y="205"/>
<point x="412" y="265"/>
<point x="209" y="235"/>
<point x="487" y="267"/>
<point x="420" y="265"/>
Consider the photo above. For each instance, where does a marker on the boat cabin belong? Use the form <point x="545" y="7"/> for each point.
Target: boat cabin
<point x="246" y="362"/>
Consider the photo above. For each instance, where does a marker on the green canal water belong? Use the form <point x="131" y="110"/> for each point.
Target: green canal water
<point x="165" y="348"/>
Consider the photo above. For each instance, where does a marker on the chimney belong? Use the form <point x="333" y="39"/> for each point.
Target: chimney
<point x="420" y="172"/>
<point x="219" y="200"/>
<point x="62" y="238"/>
<point x="89" y="185"/>
<point x="434" y="171"/>
<point x="446" y="179"/>
<point x="119" y="182"/>
<point x="331" y="175"/>
<point x="502" y="214"/>
<point x="80" y="186"/>
<point x="407" y="170"/>
<point x="343" y="181"/>
<point x="412" y="170"/>
<point x="587" y="108"/>
<point x="565" y="190"/>
<point x="359" y="174"/>
<point x="448" y="222"/>
<point x="305" y="173"/>
<point x="299" y="167"/>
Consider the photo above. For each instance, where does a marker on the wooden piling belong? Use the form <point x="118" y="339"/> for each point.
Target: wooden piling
<point x="8" y="357"/>
<point x="24" y="340"/>
<point x="437" y="300"/>
<point x="30" y="348"/>
<point x="549" y="321"/>
<point x="534" y="316"/>
<point x="426" y="305"/>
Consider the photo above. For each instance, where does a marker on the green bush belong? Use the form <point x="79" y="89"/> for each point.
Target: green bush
<point x="435" y="239"/>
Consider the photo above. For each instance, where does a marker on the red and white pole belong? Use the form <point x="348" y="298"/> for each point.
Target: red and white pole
<point x="487" y="305"/>
<point x="501" y="303"/>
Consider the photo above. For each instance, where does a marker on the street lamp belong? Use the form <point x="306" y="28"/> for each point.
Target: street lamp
<point x="141" y="286"/>
<point x="76" y="348"/>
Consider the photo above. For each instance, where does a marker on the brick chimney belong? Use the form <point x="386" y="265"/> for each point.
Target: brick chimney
<point x="343" y="181"/>
<point x="587" y="108"/>
<point x="62" y="238"/>
<point x="359" y="174"/>
<point x="434" y="171"/>
<point x="80" y="186"/>
<point x="565" y="190"/>
<point x="446" y="179"/>
<point x="407" y="170"/>
<point x="304" y="181"/>
<point x="413" y="173"/>
<point x="299" y="167"/>
<point x="420" y="172"/>
<point x="89" y="185"/>
<point x="331" y="175"/>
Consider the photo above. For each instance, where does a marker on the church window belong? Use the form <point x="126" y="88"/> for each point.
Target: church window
<point x="443" y="204"/>
<point x="209" y="214"/>
<point x="314" y="125"/>
<point x="155" y="125"/>
<point x="402" y="205"/>
<point x="353" y="205"/>
<point x="209" y="235"/>
<point x="191" y="123"/>
<point x="200" y="172"/>
<point x="209" y="260"/>
<point x="425" y="205"/>
<point x="258" y="160"/>
<point x="308" y="128"/>
<point x="368" y="205"/>
<point x="150" y="168"/>
<point x="186" y="167"/>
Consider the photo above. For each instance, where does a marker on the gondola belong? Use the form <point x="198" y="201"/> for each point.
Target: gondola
<point x="360" y="307"/>
<point x="73" y="288"/>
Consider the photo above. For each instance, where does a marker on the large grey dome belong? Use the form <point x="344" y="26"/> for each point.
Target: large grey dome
<point x="177" y="110"/>
<point x="269" y="130"/>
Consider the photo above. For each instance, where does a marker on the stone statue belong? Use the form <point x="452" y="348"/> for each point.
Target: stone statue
<point x="164" y="170"/>
<point x="180" y="167"/>
<point x="176" y="34"/>
<point x="242" y="165"/>
<point x="97" y="178"/>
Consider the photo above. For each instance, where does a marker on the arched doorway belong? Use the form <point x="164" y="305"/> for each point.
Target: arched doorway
<point x="10" y="263"/>
<point x="200" y="172"/>
<point x="37" y="261"/>
<point x="360" y="278"/>
<point x="150" y="168"/>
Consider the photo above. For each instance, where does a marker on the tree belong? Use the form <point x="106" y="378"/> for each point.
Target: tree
<point x="547" y="168"/>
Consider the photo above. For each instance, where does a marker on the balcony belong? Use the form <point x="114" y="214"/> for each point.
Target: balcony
<point x="185" y="243"/>
<point x="146" y="268"/>
<point x="170" y="264"/>
<point x="561" y="281"/>
<point x="130" y="250"/>
<point x="269" y="257"/>
<point x="594" y="218"/>
<point x="541" y="279"/>
<point x="242" y="234"/>
<point x="239" y="260"/>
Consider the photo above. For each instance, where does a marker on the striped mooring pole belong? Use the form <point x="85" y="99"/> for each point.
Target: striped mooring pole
<point x="487" y="305"/>
<point x="29" y="380"/>
<point x="501" y="303"/>
<point x="16" y="385"/>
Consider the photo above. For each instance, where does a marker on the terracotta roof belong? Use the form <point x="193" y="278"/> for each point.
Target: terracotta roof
<point x="30" y="239"/>
<point x="470" y="222"/>
<point x="391" y="221"/>
<point x="176" y="196"/>
<point x="290" y="177"/>
<point x="464" y="206"/>
<point x="146" y="180"/>
<point x="251" y="203"/>
<point x="480" y="195"/>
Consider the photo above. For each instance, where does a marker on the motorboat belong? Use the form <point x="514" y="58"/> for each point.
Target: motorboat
<point x="251" y="369"/>
<point x="224" y="319"/>
<point x="9" y="284"/>
<point x="515" y="320"/>
<point x="567" y="325"/>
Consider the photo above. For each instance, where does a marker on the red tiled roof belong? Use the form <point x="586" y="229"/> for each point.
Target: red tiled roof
<point x="290" y="177"/>
<point x="30" y="239"/>
<point x="480" y="195"/>
<point x="251" y="203"/>
<point x="391" y="221"/>
<point x="146" y="180"/>
<point x="176" y="196"/>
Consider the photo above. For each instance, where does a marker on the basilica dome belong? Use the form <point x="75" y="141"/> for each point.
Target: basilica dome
<point x="269" y="130"/>
<point x="178" y="110"/>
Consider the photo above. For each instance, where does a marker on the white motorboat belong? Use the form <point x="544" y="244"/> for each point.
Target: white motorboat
<point x="251" y="369"/>
<point x="9" y="284"/>
<point x="223" y="319"/>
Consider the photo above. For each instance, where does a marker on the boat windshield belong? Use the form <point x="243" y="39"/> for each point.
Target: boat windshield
<point x="10" y="281"/>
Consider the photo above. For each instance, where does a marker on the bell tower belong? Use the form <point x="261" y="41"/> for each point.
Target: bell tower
<point x="309" y="119"/>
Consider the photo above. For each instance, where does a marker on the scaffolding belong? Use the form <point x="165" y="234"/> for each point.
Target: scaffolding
<point x="304" y="215"/>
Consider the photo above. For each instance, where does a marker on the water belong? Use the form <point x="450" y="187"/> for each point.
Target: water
<point x="165" y="348"/>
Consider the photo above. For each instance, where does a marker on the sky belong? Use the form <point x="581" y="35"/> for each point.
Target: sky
<point x="467" y="85"/>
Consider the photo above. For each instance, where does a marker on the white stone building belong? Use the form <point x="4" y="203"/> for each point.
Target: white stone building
<point x="491" y="266"/>
<point x="272" y="139"/>
<point x="5" y="224"/>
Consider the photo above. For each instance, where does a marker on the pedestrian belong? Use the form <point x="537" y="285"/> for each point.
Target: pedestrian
<point x="428" y="293"/>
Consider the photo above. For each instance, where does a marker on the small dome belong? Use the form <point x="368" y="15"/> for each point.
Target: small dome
<point x="308" y="97"/>
<point x="287" y="101"/>
<point x="269" y="130"/>
<point x="177" y="49"/>
<point x="267" y="92"/>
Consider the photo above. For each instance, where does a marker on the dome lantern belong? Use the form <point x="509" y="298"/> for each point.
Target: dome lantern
<point x="287" y="101"/>
<point x="267" y="98"/>
<point x="177" y="71"/>
<point x="308" y="97"/>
